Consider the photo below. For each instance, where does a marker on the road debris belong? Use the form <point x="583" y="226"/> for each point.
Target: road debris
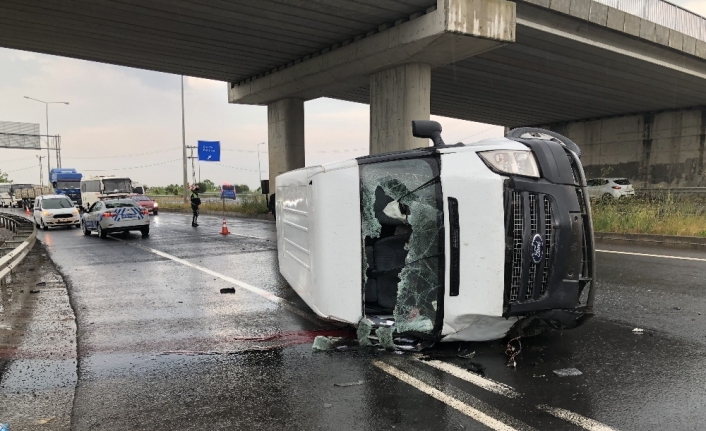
<point x="363" y="332"/>
<point x="467" y="356"/>
<point x="477" y="368"/>
<point x="327" y="405"/>
<point x="638" y="331"/>
<point x="385" y="337"/>
<point x="323" y="343"/>
<point x="568" y="372"/>
<point x="34" y="291"/>
<point x="42" y="283"/>
<point x="228" y="290"/>
<point x="349" y="384"/>
<point x="512" y="352"/>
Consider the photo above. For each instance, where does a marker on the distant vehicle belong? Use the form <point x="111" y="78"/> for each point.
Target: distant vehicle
<point x="94" y="189"/>
<point x="138" y="188"/>
<point x="55" y="210"/>
<point x="610" y="188"/>
<point x="67" y="182"/>
<point x="15" y="194"/>
<point x="115" y="215"/>
<point x="5" y="198"/>
<point x="228" y="191"/>
<point x="451" y="242"/>
<point x="147" y="203"/>
<point x="29" y="194"/>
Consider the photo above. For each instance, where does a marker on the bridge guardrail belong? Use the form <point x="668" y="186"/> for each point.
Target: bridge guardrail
<point x="19" y="226"/>
<point x="665" y="14"/>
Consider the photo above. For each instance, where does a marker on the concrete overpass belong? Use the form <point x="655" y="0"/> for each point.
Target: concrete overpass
<point x="627" y="83"/>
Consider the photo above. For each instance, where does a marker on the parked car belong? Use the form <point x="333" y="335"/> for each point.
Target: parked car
<point x="610" y="188"/>
<point x="55" y="210"/>
<point x="147" y="203"/>
<point x="115" y="215"/>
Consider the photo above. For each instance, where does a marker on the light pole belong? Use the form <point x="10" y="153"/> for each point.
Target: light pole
<point x="259" y="169"/>
<point x="46" y="105"/>
<point x="183" y="141"/>
<point x="41" y="175"/>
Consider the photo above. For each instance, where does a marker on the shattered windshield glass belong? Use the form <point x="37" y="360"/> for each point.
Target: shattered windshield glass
<point x="401" y="226"/>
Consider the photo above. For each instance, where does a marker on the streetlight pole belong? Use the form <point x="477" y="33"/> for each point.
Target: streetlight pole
<point x="46" y="105"/>
<point x="259" y="169"/>
<point x="41" y="175"/>
<point x="183" y="142"/>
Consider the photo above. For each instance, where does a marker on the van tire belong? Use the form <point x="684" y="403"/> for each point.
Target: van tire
<point x="145" y="231"/>
<point x="85" y="229"/>
<point x="101" y="233"/>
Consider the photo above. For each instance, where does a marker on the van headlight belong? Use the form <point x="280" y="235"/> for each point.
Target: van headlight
<point x="515" y="162"/>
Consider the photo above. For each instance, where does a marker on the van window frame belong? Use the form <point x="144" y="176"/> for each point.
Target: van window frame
<point x="433" y="158"/>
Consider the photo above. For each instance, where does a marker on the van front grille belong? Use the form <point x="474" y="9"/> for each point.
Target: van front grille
<point x="531" y="215"/>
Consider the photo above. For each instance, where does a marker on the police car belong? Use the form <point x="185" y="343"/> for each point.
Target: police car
<point x="115" y="215"/>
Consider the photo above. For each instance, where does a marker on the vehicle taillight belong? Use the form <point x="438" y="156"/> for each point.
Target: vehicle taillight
<point x="108" y="214"/>
<point x="145" y="212"/>
<point x="616" y="187"/>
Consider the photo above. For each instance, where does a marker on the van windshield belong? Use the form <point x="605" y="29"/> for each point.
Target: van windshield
<point x="55" y="204"/>
<point x="402" y="225"/>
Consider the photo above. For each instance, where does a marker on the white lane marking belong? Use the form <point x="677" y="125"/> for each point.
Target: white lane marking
<point x="482" y="382"/>
<point x="576" y="419"/>
<point x="462" y="407"/>
<point x="256" y="290"/>
<point x="653" y="255"/>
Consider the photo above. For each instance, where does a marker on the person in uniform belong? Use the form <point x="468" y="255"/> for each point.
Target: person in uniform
<point x="195" y="202"/>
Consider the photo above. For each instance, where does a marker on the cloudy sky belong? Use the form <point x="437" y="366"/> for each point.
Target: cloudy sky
<point x="126" y="121"/>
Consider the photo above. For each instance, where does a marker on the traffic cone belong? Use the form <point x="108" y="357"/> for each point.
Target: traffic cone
<point x="224" y="229"/>
<point x="27" y="210"/>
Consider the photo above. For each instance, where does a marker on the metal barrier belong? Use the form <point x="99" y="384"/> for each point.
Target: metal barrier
<point x="663" y="13"/>
<point x="24" y="235"/>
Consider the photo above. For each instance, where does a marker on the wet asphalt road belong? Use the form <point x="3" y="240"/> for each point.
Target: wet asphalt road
<point x="160" y="348"/>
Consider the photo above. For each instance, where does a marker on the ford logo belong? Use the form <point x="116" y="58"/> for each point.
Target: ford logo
<point x="537" y="248"/>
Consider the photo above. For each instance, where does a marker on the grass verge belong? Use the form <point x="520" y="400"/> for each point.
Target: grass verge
<point x="665" y="215"/>
<point x="246" y="204"/>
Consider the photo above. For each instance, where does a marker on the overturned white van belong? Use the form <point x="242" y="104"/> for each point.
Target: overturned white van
<point x="450" y="242"/>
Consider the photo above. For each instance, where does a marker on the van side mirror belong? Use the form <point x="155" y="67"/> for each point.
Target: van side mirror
<point x="428" y="129"/>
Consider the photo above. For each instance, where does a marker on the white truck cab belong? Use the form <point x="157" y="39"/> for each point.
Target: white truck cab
<point x="96" y="188"/>
<point x="450" y="242"/>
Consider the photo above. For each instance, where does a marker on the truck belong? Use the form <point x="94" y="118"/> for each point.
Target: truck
<point x="5" y="198"/>
<point x="463" y="242"/>
<point x="28" y="195"/>
<point x="96" y="188"/>
<point x="138" y="188"/>
<point x="67" y="181"/>
<point x="16" y="199"/>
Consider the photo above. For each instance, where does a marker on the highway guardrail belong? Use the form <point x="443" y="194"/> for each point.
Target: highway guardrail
<point x="24" y="234"/>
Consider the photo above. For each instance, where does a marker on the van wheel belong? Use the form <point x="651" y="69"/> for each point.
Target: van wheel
<point x="101" y="233"/>
<point x="85" y="229"/>
<point x="145" y="231"/>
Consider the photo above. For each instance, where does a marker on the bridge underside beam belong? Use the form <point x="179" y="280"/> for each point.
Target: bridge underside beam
<point x="454" y="30"/>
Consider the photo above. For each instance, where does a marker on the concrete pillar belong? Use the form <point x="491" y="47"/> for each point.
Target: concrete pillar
<point x="285" y="134"/>
<point x="397" y="96"/>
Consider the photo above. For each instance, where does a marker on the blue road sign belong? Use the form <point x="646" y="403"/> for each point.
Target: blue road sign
<point x="210" y="151"/>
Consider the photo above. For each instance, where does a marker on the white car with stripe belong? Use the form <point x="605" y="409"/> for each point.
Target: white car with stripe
<point x="115" y="215"/>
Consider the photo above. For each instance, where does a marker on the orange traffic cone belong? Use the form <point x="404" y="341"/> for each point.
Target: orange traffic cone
<point x="27" y="210"/>
<point x="224" y="229"/>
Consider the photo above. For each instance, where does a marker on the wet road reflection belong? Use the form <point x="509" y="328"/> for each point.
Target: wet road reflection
<point x="161" y="348"/>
